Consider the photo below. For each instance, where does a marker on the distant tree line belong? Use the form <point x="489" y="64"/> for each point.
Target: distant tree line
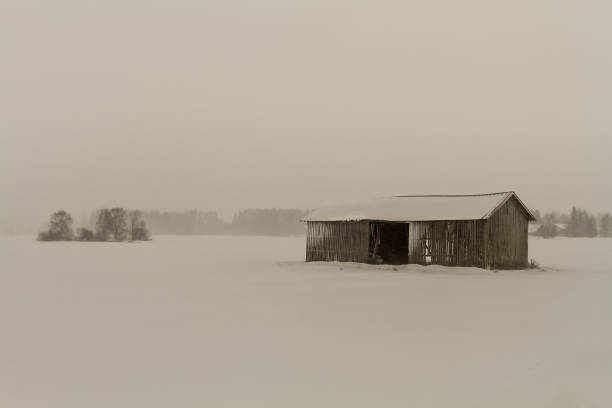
<point x="577" y="223"/>
<point x="118" y="224"/>
<point x="114" y="224"/>
<point x="268" y="222"/>
<point x="247" y="222"/>
<point x="191" y="222"/>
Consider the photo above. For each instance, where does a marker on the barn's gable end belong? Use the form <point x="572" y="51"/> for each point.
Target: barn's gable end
<point x="511" y="196"/>
<point x="506" y="236"/>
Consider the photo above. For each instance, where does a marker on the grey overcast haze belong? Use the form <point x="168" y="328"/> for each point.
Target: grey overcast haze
<point x="223" y="105"/>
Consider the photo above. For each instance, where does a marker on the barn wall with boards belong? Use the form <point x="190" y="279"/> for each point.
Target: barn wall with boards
<point x="338" y="241"/>
<point x="452" y="243"/>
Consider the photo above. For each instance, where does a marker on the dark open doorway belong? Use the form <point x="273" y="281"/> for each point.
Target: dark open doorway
<point x="391" y="242"/>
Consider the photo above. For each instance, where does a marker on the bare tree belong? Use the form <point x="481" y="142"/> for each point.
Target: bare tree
<point x="60" y="228"/>
<point x="104" y="225"/>
<point x="84" y="234"/>
<point x="606" y="225"/>
<point x="138" y="228"/>
<point x="119" y="224"/>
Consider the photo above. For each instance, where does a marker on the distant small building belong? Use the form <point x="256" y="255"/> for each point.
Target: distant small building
<point x="484" y="230"/>
<point x="548" y="230"/>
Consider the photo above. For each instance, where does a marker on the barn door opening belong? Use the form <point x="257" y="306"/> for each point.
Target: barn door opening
<point x="392" y="243"/>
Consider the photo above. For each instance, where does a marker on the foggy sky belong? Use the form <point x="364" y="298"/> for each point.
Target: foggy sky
<point x="224" y="104"/>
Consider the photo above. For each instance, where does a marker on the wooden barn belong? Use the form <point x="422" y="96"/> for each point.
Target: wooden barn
<point x="483" y="230"/>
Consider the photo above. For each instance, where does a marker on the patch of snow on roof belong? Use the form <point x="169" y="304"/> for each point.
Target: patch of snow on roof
<point x="414" y="208"/>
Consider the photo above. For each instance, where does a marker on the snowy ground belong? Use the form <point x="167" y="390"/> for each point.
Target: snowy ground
<point x="240" y="321"/>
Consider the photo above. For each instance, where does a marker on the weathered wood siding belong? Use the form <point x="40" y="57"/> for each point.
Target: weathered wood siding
<point x="338" y="241"/>
<point x="506" y="236"/>
<point x="499" y="242"/>
<point x="451" y="243"/>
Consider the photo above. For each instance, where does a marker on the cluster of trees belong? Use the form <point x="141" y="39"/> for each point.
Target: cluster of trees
<point x="552" y="217"/>
<point x="578" y="223"/>
<point x="246" y="222"/>
<point x="114" y="224"/>
<point x="581" y="224"/>
<point x="60" y="228"/>
<point x="117" y="224"/>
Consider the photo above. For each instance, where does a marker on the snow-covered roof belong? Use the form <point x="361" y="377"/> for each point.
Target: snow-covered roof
<point x="417" y="208"/>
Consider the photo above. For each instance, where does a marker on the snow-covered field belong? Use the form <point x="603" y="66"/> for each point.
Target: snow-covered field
<point x="241" y="322"/>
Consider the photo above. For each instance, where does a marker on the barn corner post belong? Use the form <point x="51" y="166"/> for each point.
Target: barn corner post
<point x="308" y="242"/>
<point x="485" y="244"/>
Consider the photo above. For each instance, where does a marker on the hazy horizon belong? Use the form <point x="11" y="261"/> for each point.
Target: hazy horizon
<point x="228" y="105"/>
